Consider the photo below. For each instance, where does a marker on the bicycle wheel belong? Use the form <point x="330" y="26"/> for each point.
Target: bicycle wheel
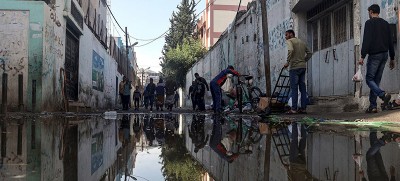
<point x="255" y="94"/>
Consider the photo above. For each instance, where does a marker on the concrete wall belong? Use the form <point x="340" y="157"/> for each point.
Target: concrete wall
<point x="88" y="95"/>
<point x="25" y="39"/>
<point x="240" y="46"/>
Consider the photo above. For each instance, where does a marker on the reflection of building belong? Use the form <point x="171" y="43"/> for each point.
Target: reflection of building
<point x="62" y="149"/>
<point x="216" y="18"/>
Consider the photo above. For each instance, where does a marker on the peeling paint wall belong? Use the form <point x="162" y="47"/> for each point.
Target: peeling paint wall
<point x="88" y="95"/>
<point x="14" y="26"/>
<point x="54" y="34"/>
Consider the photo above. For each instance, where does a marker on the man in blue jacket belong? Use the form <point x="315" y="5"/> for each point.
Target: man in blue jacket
<point x="216" y="84"/>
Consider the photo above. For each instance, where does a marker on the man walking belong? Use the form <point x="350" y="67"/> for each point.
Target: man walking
<point x="192" y="90"/>
<point x="298" y="55"/>
<point x="216" y="84"/>
<point x="125" y="89"/>
<point x="202" y="85"/>
<point x="150" y="89"/>
<point x="377" y="41"/>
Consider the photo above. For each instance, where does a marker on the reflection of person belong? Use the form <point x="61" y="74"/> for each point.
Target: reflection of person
<point x="216" y="84"/>
<point x="375" y="168"/>
<point x="297" y="170"/>
<point x="196" y="132"/>
<point x="216" y="141"/>
<point x="298" y="55"/>
<point x="160" y="131"/>
<point x="148" y="129"/>
<point x="297" y="148"/>
<point x="377" y="41"/>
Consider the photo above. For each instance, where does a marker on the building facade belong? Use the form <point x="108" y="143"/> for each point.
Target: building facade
<point x="216" y="18"/>
<point x="332" y="29"/>
<point x="55" y="52"/>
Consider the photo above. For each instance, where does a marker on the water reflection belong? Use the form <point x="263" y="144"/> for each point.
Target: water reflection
<point x="195" y="147"/>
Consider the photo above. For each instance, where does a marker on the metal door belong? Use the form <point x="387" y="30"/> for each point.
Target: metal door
<point x="332" y="64"/>
<point x="71" y="66"/>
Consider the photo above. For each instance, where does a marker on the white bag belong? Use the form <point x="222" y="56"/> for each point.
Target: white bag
<point x="358" y="77"/>
<point x="228" y="84"/>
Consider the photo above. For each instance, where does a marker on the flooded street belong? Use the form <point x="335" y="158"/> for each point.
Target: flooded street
<point x="195" y="147"/>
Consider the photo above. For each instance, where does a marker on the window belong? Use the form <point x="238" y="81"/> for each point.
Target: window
<point x="325" y="32"/>
<point x="340" y="25"/>
<point x="315" y="36"/>
<point x="351" y="21"/>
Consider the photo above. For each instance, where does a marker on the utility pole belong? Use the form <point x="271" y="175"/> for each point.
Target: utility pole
<point x="267" y="156"/>
<point x="127" y="54"/>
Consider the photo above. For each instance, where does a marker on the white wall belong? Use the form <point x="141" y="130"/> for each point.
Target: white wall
<point x="88" y="95"/>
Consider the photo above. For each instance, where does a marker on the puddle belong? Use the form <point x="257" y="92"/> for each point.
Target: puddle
<point x="194" y="147"/>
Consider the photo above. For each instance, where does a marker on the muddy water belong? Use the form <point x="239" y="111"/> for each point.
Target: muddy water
<point x="195" y="147"/>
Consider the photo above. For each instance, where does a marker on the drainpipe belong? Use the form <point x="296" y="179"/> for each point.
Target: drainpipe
<point x="20" y="92"/>
<point x="4" y="93"/>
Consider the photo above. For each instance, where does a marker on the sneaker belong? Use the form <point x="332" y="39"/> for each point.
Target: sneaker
<point x="386" y="98"/>
<point x="371" y="110"/>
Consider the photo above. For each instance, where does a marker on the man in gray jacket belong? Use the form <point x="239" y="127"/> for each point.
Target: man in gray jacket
<point x="298" y="55"/>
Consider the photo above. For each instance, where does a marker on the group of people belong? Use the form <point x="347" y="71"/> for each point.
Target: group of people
<point x="152" y="95"/>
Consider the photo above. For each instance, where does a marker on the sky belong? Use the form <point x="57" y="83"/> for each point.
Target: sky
<point x="146" y="19"/>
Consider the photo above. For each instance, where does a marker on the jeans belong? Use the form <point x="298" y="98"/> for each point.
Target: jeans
<point x="216" y="96"/>
<point x="151" y="101"/>
<point x="137" y="100"/>
<point x="375" y="66"/>
<point x="297" y="81"/>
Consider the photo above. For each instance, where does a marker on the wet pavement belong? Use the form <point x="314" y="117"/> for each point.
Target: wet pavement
<point x="193" y="147"/>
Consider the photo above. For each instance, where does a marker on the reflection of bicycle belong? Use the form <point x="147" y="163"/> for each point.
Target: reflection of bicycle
<point x="246" y="92"/>
<point x="247" y="134"/>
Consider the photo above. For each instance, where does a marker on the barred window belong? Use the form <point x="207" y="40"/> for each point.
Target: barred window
<point x="340" y="25"/>
<point x="315" y="36"/>
<point x="325" y="33"/>
<point x="351" y="21"/>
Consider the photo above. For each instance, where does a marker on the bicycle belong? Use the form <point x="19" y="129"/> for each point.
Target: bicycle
<point x="246" y="92"/>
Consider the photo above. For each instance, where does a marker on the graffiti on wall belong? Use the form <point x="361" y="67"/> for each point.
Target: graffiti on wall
<point x="271" y="3"/>
<point x="277" y="34"/>
<point x="54" y="44"/>
<point x="13" y="41"/>
<point x="97" y="72"/>
<point x="97" y="151"/>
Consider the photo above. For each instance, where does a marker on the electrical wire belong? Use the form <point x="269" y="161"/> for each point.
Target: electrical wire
<point x="208" y="5"/>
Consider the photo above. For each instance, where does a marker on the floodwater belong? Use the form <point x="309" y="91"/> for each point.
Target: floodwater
<point x="192" y="147"/>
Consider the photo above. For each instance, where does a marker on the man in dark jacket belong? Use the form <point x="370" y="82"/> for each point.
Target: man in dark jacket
<point x="377" y="41"/>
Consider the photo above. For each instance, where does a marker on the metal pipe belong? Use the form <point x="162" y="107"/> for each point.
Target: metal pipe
<point x="4" y="93"/>
<point x="33" y="95"/>
<point x="20" y="92"/>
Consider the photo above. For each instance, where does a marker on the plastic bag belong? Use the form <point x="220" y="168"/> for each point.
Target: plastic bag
<point x="228" y="85"/>
<point x="358" y="77"/>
